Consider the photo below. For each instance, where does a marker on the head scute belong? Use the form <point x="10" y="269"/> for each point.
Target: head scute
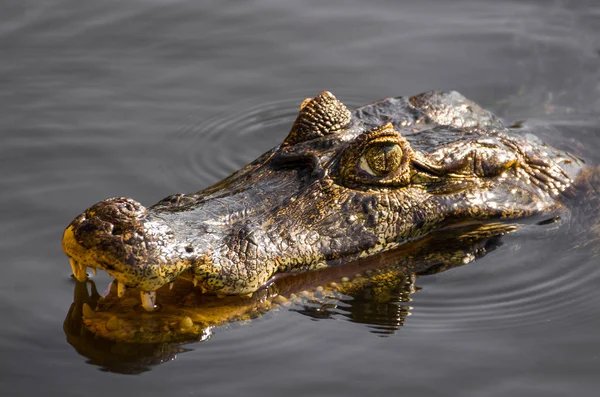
<point x="320" y="116"/>
<point x="453" y="109"/>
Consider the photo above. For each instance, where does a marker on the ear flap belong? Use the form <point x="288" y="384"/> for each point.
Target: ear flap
<point x="320" y="116"/>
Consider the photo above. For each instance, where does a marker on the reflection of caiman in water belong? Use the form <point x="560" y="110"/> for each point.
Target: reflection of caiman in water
<point x="422" y="183"/>
<point x="118" y="335"/>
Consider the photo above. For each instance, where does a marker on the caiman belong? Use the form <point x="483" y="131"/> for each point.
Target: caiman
<point x="342" y="186"/>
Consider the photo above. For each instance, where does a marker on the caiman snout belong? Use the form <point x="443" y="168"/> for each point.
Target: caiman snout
<point x="118" y="236"/>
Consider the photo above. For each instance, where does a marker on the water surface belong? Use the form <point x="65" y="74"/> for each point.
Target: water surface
<point x="148" y="98"/>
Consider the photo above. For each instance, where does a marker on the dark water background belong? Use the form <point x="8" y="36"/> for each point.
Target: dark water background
<point x="148" y="98"/>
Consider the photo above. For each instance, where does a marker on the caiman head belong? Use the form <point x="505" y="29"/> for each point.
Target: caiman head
<point x="343" y="185"/>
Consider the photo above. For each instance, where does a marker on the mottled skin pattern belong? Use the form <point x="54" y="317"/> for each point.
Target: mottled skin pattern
<point x="342" y="186"/>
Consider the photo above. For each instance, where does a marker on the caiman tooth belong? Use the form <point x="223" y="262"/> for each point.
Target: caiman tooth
<point x="94" y="271"/>
<point x="195" y="282"/>
<point x="74" y="266"/>
<point x="121" y="288"/>
<point x="148" y="300"/>
<point x="79" y="271"/>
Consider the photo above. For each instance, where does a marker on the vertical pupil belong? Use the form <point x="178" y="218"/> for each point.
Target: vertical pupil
<point x="384" y="158"/>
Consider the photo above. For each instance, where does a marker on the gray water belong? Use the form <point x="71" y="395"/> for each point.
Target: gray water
<point x="148" y="98"/>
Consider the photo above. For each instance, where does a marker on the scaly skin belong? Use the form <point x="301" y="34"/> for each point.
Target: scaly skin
<point x="342" y="186"/>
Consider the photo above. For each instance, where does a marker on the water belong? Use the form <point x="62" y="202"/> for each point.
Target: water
<point x="145" y="99"/>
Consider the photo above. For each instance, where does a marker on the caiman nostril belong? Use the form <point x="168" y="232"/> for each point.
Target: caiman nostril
<point x="117" y="209"/>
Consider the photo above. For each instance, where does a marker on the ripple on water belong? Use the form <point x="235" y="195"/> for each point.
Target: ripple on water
<point x="526" y="282"/>
<point x="208" y="150"/>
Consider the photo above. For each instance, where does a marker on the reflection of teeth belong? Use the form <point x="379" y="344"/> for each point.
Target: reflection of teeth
<point x="186" y="323"/>
<point x="148" y="300"/>
<point x="171" y="286"/>
<point x="121" y="289"/>
<point x="78" y="270"/>
<point x="113" y="324"/>
<point x="195" y="282"/>
<point x="87" y="311"/>
<point x="221" y="296"/>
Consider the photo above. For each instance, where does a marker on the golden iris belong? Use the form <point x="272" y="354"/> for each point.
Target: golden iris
<point x="381" y="158"/>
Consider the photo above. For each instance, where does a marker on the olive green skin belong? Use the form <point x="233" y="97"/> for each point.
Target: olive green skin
<point x="342" y="186"/>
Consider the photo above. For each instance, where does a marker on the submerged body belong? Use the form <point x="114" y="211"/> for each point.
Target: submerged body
<point x="342" y="186"/>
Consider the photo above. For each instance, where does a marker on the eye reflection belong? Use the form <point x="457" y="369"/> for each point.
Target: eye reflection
<point x="381" y="159"/>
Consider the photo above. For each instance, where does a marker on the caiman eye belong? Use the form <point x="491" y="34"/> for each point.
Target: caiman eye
<point x="381" y="159"/>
